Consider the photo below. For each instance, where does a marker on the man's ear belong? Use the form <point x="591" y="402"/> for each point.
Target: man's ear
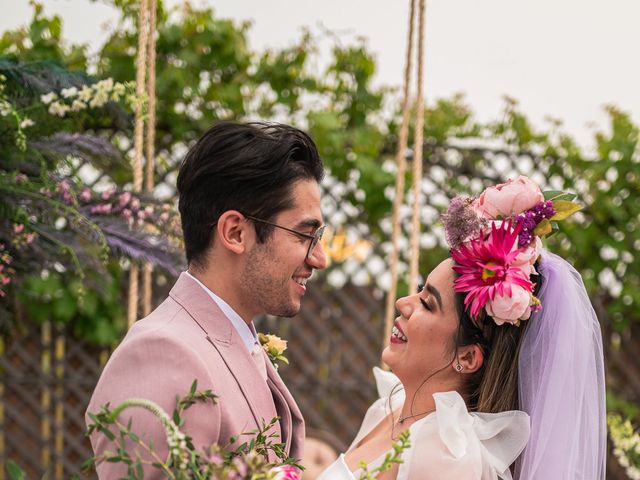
<point x="469" y="359"/>
<point x="233" y="231"/>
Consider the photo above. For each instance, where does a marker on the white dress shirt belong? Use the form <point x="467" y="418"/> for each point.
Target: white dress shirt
<point x="246" y="331"/>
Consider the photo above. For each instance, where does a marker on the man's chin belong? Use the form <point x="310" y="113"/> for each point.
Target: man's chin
<point x="286" y="311"/>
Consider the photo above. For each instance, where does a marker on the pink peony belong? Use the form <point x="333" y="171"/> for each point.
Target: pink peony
<point x="509" y="308"/>
<point x="285" y="472"/>
<point x="510" y="198"/>
<point x="528" y="256"/>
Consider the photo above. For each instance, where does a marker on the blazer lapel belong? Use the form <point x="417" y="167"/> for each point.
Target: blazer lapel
<point x="225" y="339"/>
<point x="291" y="420"/>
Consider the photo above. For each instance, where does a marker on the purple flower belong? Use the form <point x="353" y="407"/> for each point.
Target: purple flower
<point x="530" y="220"/>
<point x="461" y="222"/>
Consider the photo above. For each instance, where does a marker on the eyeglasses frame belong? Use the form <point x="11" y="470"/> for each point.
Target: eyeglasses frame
<point x="315" y="239"/>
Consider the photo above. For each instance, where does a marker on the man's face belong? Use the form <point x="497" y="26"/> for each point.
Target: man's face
<point x="276" y="272"/>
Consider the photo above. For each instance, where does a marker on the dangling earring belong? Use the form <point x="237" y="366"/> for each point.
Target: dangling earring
<point x="459" y="367"/>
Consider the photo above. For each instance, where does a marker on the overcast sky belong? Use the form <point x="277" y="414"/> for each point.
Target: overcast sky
<point x="559" y="58"/>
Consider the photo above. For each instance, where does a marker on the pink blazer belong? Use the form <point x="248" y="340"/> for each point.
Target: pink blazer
<point x="187" y="337"/>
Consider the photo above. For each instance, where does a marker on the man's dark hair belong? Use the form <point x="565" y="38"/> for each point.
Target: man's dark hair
<point x="248" y="167"/>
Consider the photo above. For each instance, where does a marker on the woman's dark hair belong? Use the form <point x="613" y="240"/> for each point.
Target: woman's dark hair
<point x="494" y="387"/>
<point x="248" y="167"/>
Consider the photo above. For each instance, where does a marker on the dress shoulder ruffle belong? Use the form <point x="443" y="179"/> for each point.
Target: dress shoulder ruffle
<point x="455" y="444"/>
<point x="449" y="444"/>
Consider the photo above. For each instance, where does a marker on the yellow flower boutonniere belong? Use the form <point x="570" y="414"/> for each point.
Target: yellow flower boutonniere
<point x="275" y="347"/>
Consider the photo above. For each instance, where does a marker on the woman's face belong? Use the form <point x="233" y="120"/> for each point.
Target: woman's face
<point x="423" y="337"/>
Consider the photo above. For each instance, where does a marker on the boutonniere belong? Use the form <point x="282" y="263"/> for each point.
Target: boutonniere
<point x="275" y="347"/>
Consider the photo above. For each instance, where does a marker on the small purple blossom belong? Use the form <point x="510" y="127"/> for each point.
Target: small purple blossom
<point x="104" y="209"/>
<point x="461" y="222"/>
<point x="530" y="220"/>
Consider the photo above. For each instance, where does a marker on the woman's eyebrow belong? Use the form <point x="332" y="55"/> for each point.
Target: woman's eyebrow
<point x="434" y="291"/>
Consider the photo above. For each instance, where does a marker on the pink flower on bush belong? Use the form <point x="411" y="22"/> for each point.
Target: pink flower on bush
<point x="124" y="199"/>
<point x="510" y="306"/>
<point x="285" y="472"/>
<point x="510" y="198"/>
<point x="85" y="195"/>
<point x="107" y="194"/>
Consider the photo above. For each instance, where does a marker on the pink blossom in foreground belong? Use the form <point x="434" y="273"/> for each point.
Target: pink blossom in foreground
<point x="286" y="472"/>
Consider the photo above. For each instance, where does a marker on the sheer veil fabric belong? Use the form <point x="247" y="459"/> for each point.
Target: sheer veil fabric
<point x="561" y="381"/>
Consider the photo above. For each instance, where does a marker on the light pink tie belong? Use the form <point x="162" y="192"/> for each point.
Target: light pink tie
<point x="258" y="357"/>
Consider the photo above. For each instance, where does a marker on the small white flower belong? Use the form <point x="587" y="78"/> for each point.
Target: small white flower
<point x="59" y="109"/>
<point x="48" y="98"/>
<point x="101" y="97"/>
<point x="5" y="108"/>
<point x="85" y="94"/>
<point x="78" y="105"/>
<point x="105" y="85"/>
<point x="69" y="92"/>
<point x="118" y="91"/>
<point x="26" y="123"/>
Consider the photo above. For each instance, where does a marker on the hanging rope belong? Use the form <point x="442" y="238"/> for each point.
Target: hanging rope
<point x="147" y="290"/>
<point x="402" y="166"/>
<point x="138" y="135"/>
<point x="417" y="159"/>
<point x="401" y="162"/>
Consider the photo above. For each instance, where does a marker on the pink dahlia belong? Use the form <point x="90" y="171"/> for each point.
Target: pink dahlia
<point x="486" y="267"/>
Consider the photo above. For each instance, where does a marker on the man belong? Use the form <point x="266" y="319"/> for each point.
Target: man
<point x="249" y="201"/>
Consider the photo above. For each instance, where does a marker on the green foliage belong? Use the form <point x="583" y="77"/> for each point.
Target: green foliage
<point x="391" y="458"/>
<point x="15" y="472"/>
<point x="96" y="313"/>
<point x="56" y="233"/>
<point x="183" y="460"/>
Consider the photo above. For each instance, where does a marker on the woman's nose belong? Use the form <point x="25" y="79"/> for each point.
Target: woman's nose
<point x="403" y="305"/>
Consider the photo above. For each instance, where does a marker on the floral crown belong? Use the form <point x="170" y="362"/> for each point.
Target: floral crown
<point x="495" y="242"/>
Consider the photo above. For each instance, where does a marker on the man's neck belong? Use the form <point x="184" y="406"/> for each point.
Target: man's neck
<point x="224" y="289"/>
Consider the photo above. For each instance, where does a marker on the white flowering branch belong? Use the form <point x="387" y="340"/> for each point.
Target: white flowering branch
<point x="626" y="444"/>
<point x="90" y="96"/>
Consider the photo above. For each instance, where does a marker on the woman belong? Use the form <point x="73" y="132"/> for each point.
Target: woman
<point x="500" y="349"/>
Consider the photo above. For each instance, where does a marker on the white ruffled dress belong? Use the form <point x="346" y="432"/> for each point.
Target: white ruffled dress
<point x="448" y="444"/>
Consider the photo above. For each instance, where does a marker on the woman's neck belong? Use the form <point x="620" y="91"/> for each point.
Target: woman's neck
<point x="419" y="400"/>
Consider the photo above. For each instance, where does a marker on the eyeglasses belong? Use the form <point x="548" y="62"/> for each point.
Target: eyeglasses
<point x="315" y="238"/>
